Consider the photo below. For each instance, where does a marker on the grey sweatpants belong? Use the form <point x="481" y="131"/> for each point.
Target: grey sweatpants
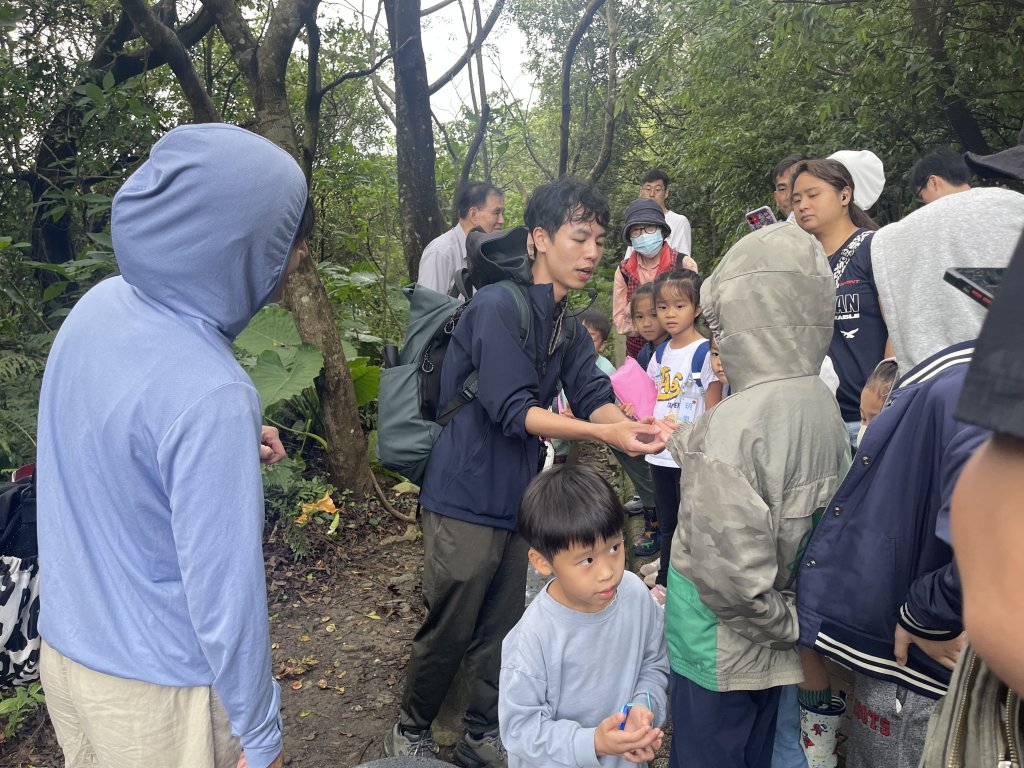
<point x="888" y="725"/>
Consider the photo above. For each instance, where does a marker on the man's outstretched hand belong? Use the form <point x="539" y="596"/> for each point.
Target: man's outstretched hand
<point x="636" y="437"/>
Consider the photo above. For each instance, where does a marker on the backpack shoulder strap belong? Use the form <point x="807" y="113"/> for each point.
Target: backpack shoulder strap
<point x="471" y="386"/>
<point x="659" y="351"/>
<point x="700" y="354"/>
<point x="461" y="285"/>
<point x="518" y="293"/>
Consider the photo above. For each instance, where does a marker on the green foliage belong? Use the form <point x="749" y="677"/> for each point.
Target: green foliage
<point x="283" y="369"/>
<point x="284" y="365"/>
<point x="734" y="87"/>
<point x="21" y="373"/>
<point x="297" y="506"/>
<point x="14" y="709"/>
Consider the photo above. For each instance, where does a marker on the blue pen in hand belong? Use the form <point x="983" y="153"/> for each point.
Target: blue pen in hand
<point x="625" y="711"/>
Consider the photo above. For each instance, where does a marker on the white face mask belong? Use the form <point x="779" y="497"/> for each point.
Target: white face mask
<point x="860" y="434"/>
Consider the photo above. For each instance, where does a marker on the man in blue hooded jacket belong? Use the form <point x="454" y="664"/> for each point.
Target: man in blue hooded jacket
<point x="156" y="647"/>
<point x="474" y="571"/>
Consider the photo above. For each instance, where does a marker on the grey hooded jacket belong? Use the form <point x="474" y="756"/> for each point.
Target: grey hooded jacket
<point x="755" y="468"/>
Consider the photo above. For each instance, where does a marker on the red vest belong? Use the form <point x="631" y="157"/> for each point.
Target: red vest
<point x="668" y="259"/>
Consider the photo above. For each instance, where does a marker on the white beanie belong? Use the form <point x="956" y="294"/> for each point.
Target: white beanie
<point x="867" y="172"/>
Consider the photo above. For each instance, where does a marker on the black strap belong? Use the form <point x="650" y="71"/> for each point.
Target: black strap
<point x="461" y="285"/>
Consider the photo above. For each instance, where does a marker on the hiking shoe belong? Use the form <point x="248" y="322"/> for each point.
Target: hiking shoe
<point x="647" y="545"/>
<point x="634" y="506"/>
<point x="485" y="752"/>
<point x="399" y="744"/>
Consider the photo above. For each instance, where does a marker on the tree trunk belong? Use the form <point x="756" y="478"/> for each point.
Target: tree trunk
<point x="958" y="112"/>
<point x="418" y="209"/>
<point x="263" y="64"/>
<point x="347" y="460"/>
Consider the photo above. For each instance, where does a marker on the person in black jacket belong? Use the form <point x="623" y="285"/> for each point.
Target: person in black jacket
<point x="474" y="572"/>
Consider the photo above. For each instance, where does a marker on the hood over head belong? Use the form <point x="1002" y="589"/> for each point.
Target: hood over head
<point x="206" y="225"/>
<point x="771" y="305"/>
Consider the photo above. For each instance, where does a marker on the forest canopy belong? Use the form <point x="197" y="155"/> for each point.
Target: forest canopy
<point x="713" y="91"/>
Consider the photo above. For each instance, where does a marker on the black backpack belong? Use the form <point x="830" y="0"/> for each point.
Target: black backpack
<point x="410" y="416"/>
<point x="19" y="583"/>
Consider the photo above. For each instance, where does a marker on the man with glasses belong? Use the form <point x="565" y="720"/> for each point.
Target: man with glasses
<point x="939" y="173"/>
<point x="959" y="226"/>
<point x="654" y="186"/>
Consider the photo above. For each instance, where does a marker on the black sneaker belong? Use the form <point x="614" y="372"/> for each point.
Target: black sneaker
<point x="400" y="744"/>
<point x="634" y="506"/>
<point x="485" y="752"/>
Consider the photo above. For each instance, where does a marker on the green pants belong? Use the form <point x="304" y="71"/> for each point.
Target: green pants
<point x="474" y="587"/>
<point x="639" y="473"/>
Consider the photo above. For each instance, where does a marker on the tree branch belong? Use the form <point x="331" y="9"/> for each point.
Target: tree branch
<point x="433" y="8"/>
<point x="485" y="30"/>
<point x="314" y="97"/>
<point x="485" y="108"/>
<point x="238" y="36"/>
<point x="605" y="155"/>
<point x="377" y="86"/>
<point x="574" y="40"/>
<point x="285" y="23"/>
<point x="361" y="72"/>
<point x="161" y="38"/>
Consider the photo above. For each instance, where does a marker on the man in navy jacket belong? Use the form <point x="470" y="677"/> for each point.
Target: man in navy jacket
<point x="474" y="571"/>
<point x="878" y="588"/>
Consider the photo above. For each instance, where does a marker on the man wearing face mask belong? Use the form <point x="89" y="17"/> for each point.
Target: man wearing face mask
<point x="646" y="232"/>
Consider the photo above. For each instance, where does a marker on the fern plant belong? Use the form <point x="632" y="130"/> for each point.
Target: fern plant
<point x="21" y="374"/>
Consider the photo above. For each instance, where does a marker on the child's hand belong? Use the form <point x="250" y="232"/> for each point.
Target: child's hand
<point x="667" y="426"/>
<point x="567" y="411"/>
<point x="628" y="410"/>
<point x="637" y="745"/>
<point x="641" y="717"/>
<point x="638" y="717"/>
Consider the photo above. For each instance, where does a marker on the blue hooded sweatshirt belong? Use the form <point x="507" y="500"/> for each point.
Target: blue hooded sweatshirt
<point x="150" y="496"/>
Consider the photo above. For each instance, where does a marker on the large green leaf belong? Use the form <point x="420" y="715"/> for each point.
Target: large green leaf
<point x="276" y="381"/>
<point x="271" y="328"/>
<point x="366" y="380"/>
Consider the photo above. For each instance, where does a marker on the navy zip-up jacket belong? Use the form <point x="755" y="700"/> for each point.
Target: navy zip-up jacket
<point x="484" y="458"/>
<point x="881" y="553"/>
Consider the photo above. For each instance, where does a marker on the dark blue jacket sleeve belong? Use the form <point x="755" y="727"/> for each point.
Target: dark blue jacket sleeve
<point x="934" y="606"/>
<point x="508" y="382"/>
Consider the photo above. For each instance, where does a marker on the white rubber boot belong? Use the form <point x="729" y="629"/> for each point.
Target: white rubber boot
<point x="819" y="732"/>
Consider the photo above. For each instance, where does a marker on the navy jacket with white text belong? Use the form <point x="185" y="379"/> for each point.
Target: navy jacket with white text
<point x="881" y="553"/>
